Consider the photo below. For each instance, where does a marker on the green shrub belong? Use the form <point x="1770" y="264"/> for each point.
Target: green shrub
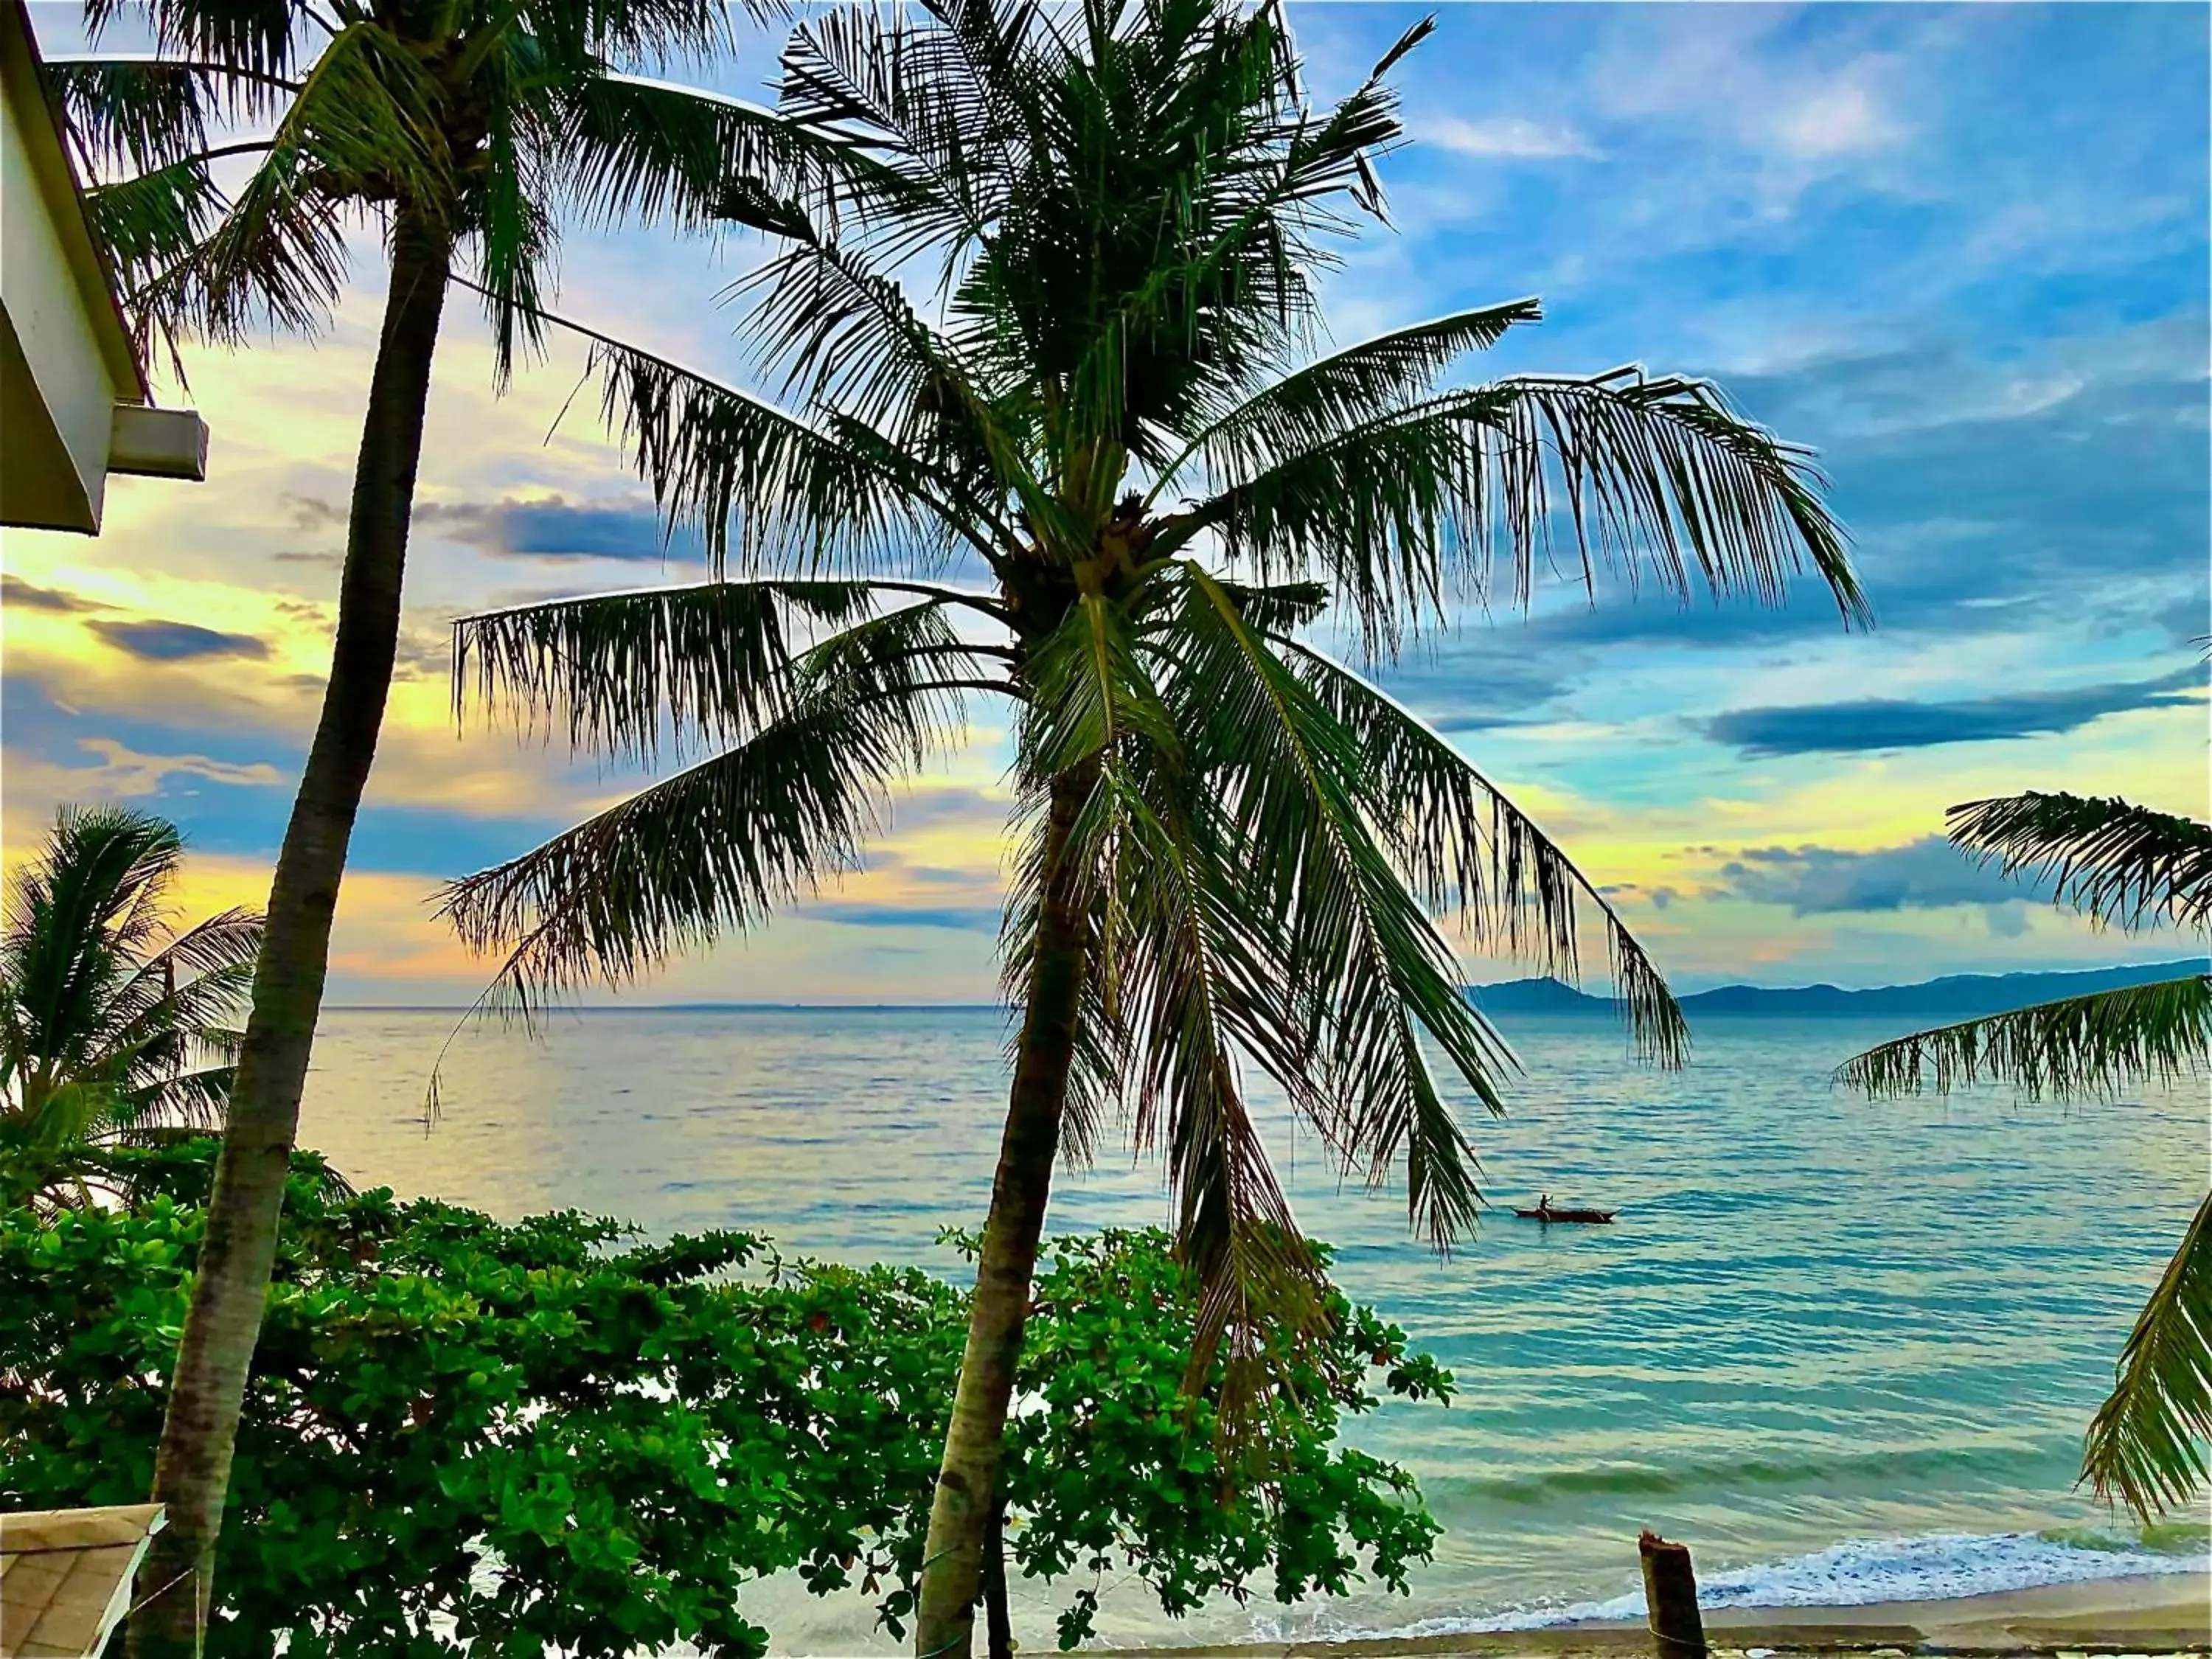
<point x="550" y="1435"/>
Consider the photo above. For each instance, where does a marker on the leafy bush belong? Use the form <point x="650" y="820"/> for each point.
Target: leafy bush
<point x="550" y="1435"/>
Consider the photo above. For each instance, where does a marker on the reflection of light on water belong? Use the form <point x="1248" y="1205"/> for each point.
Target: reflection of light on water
<point x="1816" y="1319"/>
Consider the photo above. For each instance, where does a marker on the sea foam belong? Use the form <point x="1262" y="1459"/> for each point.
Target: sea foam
<point x="1862" y="1571"/>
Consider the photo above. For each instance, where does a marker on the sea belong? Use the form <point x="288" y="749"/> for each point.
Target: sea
<point x="1844" y="1349"/>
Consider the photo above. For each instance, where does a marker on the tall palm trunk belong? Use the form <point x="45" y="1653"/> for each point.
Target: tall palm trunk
<point x="192" y="1475"/>
<point x="961" y="1511"/>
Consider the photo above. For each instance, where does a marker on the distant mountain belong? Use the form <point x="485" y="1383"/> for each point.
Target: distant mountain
<point x="1955" y="996"/>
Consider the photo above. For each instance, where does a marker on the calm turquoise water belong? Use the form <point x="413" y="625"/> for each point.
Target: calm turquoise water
<point x="1845" y="1349"/>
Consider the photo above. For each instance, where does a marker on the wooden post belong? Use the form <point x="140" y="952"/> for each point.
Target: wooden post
<point x="1670" y="1598"/>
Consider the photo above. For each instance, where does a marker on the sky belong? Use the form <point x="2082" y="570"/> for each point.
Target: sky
<point x="1961" y="252"/>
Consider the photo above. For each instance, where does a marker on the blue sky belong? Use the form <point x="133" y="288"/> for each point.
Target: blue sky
<point x="1960" y="252"/>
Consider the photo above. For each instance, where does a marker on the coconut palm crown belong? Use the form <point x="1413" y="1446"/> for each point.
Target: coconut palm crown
<point x="1052" y="426"/>
<point x="2127" y="866"/>
<point x="114" y="1023"/>
<point x="232" y="163"/>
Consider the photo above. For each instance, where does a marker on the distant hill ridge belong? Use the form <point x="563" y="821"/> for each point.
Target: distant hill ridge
<point x="1955" y="996"/>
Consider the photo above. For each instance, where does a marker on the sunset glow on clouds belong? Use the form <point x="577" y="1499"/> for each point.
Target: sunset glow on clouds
<point x="1961" y="252"/>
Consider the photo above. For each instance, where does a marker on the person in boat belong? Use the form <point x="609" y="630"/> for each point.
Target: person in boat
<point x="1543" y="1204"/>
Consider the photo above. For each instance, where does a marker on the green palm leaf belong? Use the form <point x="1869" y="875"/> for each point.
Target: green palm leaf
<point x="152" y="223"/>
<point x="846" y="336"/>
<point x="653" y="151"/>
<point x="714" y="659"/>
<point x="803" y="499"/>
<point x="1649" y="475"/>
<point x="257" y="37"/>
<point x="1189" y="972"/>
<point x="2121" y="863"/>
<point x="144" y="113"/>
<point x="1196" y="988"/>
<point x="2128" y="864"/>
<point x="2145" y="1445"/>
<point x="1465" y="848"/>
<point x="926" y="105"/>
<point x="360" y="123"/>
<point x="2089" y="1045"/>
<point x="719" y="847"/>
<point x="1333" y="394"/>
<point x="1288" y="777"/>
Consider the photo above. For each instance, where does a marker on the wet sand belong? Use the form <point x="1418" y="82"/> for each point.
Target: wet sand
<point x="2169" y="1615"/>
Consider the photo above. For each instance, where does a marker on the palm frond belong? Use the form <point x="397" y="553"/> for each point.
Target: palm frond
<point x="108" y="1019"/>
<point x="506" y="202"/>
<point x="1286" y="778"/>
<point x="1336" y="393"/>
<point x="658" y="31"/>
<point x="1649" y="474"/>
<point x="276" y="258"/>
<point x="361" y="124"/>
<point x="194" y="1100"/>
<point x="1185" y="973"/>
<point x="229" y="940"/>
<point x="2146" y="1444"/>
<point x="926" y="103"/>
<point x="1089" y="690"/>
<point x="2089" y="1045"/>
<point x="1466" y="848"/>
<point x="648" y="150"/>
<point x="846" y="335"/>
<point x="1196" y="991"/>
<point x="617" y="669"/>
<point x="152" y="223"/>
<point x="79" y="913"/>
<point x="144" y="113"/>
<point x="257" y="37"/>
<point x="719" y="847"/>
<point x="797" y="498"/>
<point x="1218" y="288"/>
<point x="2124" y="864"/>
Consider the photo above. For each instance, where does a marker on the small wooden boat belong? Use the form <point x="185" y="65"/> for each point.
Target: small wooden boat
<point x="1546" y="1212"/>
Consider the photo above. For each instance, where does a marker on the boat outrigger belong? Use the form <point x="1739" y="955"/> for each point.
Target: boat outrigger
<point x="1545" y="1212"/>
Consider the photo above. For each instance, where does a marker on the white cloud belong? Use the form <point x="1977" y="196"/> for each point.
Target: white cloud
<point x="123" y="774"/>
<point x="1844" y="118"/>
<point x="1511" y="137"/>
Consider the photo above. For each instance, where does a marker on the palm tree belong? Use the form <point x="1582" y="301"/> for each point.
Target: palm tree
<point x="114" y="1025"/>
<point x="465" y="129"/>
<point x="1230" y="843"/>
<point x="2126" y="866"/>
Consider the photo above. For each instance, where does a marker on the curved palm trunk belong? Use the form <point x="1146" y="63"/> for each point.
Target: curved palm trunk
<point x="192" y="1475"/>
<point x="960" y="1514"/>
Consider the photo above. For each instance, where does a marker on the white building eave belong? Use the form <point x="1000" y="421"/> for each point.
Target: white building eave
<point x="74" y="403"/>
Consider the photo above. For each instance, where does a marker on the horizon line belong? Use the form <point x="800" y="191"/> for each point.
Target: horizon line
<point x="1004" y="1007"/>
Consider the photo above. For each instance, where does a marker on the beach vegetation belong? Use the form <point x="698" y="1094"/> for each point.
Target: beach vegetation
<point x="467" y="1436"/>
<point x="1052" y="427"/>
<point x="2127" y="866"/>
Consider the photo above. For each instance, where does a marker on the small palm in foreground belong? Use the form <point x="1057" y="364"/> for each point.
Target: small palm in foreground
<point x="1112" y="411"/>
<point x="113" y="1026"/>
<point x="2126" y="866"/>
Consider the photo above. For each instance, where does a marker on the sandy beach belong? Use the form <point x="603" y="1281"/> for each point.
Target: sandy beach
<point x="2148" y="1616"/>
